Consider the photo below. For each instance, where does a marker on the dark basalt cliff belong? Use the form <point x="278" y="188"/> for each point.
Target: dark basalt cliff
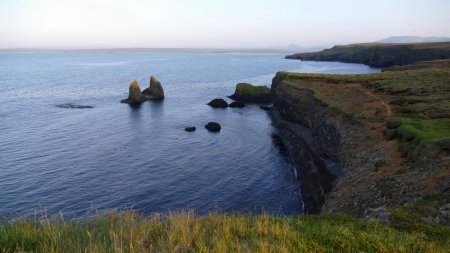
<point x="380" y="54"/>
<point x="319" y="147"/>
<point x="357" y="146"/>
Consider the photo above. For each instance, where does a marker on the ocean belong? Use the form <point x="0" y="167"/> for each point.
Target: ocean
<point x="114" y="156"/>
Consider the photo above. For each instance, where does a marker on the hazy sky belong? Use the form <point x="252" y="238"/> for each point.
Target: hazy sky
<point x="214" y="23"/>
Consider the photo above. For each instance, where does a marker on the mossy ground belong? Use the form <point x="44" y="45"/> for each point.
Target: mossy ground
<point x="187" y="232"/>
<point x="420" y="137"/>
<point x="416" y="97"/>
<point x="248" y="89"/>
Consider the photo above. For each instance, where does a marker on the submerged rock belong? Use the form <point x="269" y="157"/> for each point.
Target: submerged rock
<point x="249" y="93"/>
<point x="134" y="94"/>
<point x="237" y="104"/>
<point x="218" y="103"/>
<point x="190" y="129"/>
<point x="74" y="106"/>
<point x="266" y="108"/>
<point x="213" y="127"/>
<point x="155" y="91"/>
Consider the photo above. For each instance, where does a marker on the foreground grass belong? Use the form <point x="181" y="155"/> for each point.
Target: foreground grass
<point x="186" y="232"/>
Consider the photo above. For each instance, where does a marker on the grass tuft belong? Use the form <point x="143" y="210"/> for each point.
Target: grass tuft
<point x="187" y="232"/>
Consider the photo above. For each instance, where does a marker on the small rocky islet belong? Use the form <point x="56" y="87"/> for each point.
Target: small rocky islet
<point x="218" y="103"/>
<point x="135" y="96"/>
<point x="246" y="92"/>
<point x="213" y="127"/>
<point x="190" y="129"/>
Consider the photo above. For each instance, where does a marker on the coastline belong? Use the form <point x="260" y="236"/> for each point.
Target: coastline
<point x="347" y="116"/>
<point x="337" y="131"/>
<point x="380" y="55"/>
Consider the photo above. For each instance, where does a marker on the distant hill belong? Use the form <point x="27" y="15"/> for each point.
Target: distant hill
<point x="413" y="39"/>
<point x="380" y="55"/>
<point x="294" y="48"/>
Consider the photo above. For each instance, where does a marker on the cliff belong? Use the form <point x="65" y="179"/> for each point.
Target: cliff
<point x="388" y="131"/>
<point x="380" y="54"/>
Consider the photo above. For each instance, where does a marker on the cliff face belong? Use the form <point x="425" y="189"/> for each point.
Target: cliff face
<point x="380" y="54"/>
<point x="344" y="124"/>
<point x="309" y="151"/>
<point x="333" y="138"/>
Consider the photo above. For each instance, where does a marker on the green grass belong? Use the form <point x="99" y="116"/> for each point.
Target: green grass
<point x="417" y="217"/>
<point x="187" y="232"/>
<point x="421" y="138"/>
<point x="246" y="88"/>
<point x="418" y="94"/>
<point x="380" y="54"/>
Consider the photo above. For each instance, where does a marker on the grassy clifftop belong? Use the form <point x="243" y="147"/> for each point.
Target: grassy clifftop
<point x="413" y="100"/>
<point x="401" y="153"/>
<point x="186" y="232"/>
<point x="380" y="54"/>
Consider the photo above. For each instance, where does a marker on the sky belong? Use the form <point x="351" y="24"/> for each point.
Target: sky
<point x="215" y="23"/>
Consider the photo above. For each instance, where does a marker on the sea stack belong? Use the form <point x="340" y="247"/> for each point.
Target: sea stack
<point x="155" y="91"/>
<point x="134" y="95"/>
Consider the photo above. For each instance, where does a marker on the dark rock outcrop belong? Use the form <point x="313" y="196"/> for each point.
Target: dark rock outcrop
<point x="155" y="91"/>
<point x="74" y="106"/>
<point x="134" y="95"/>
<point x="190" y="129"/>
<point x="266" y="108"/>
<point x="218" y="103"/>
<point x="237" y="104"/>
<point x="380" y="55"/>
<point x="253" y="94"/>
<point x="213" y="127"/>
<point x="316" y="151"/>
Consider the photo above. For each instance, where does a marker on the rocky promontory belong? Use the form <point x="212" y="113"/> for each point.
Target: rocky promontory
<point x="246" y="92"/>
<point x="386" y="134"/>
<point x="380" y="55"/>
<point x="154" y="92"/>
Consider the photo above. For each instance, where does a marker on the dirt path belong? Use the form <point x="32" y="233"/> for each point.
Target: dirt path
<point x="388" y="107"/>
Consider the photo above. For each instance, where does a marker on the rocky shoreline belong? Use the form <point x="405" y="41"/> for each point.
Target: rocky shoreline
<point x="317" y="146"/>
<point x="342" y="123"/>
<point x="380" y="55"/>
<point x="316" y="174"/>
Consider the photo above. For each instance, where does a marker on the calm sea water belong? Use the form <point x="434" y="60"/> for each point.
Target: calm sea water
<point x="115" y="156"/>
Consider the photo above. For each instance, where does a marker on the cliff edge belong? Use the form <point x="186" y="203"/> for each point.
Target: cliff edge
<point x="390" y="132"/>
<point x="380" y="55"/>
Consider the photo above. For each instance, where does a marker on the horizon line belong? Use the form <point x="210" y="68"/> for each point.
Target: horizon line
<point x="161" y="49"/>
